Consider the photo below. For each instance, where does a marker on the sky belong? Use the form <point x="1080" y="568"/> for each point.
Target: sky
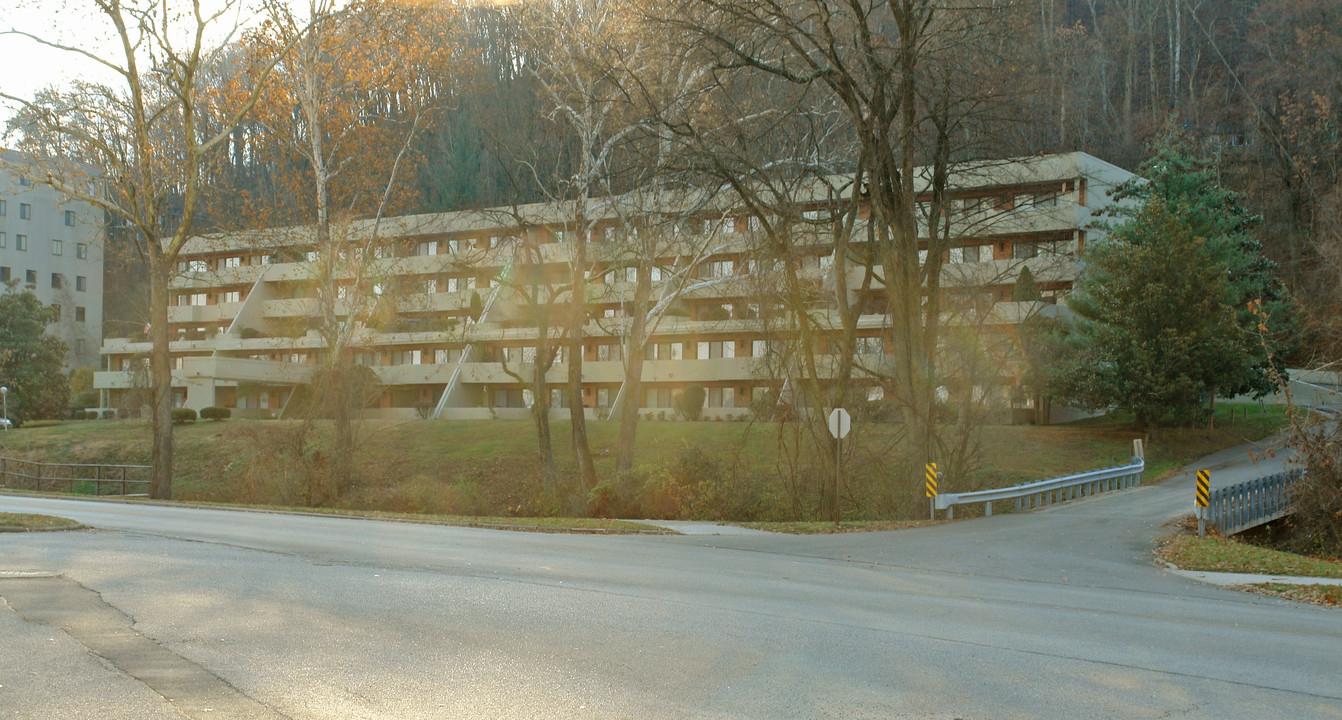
<point x="29" y="66"/>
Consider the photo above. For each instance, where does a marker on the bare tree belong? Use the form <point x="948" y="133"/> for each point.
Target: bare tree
<point x="139" y="150"/>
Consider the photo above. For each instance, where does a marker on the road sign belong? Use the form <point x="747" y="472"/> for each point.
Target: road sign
<point x="931" y="480"/>
<point x="840" y="422"/>
<point x="1202" y="499"/>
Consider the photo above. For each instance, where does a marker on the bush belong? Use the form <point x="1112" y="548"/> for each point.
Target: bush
<point x="249" y="333"/>
<point x="183" y="415"/>
<point x="108" y="414"/>
<point x="690" y="404"/>
<point x="640" y="493"/>
<point x="90" y="414"/>
<point x="123" y="413"/>
<point x="215" y="413"/>
<point x="716" y="492"/>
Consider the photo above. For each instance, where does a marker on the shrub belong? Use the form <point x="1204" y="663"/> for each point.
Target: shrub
<point x="215" y="413"/>
<point x="762" y="406"/>
<point x="183" y="415"/>
<point x="249" y="333"/>
<point x="109" y="414"/>
<point x="640" y="493"/>
<point x="715" y="491"/>
<point x="690" y="404"/>
<point x="90" y="415"/>
<point x="123" y="413"/>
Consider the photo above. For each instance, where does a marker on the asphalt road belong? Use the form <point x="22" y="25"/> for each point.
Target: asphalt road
<point x="1060" y="613"/>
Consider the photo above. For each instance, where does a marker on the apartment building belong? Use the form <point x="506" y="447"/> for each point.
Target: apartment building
<point x="444" y="308"/>
<point x="53" y="246"/>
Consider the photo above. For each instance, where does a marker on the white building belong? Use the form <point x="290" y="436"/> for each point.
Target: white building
<point x="54" y="246"/>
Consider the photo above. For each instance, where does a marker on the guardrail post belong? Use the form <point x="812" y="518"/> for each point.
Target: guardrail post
<point x="123" y="480"/>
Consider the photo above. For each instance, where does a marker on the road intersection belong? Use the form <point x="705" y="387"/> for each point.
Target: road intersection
<point x="1060" y="613"/>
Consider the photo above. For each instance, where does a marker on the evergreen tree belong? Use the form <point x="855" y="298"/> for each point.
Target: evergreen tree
<point x="1026" y="290"/>
<point x="1158" y="324"/>
<point x="1189" y="186"/>
<point x="30" y="359"/>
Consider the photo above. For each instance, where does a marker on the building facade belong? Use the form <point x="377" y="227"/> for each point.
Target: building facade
<point x="53" y="246"/>
<point x="445" y="308"/>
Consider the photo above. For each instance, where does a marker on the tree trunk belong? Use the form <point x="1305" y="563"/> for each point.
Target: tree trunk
<point x="160" y="371"/>
<point x="633" y="372"/>
<point x="578" y="322"/>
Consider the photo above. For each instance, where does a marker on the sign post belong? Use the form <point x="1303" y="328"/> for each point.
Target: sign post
<point x="840" y="422"/>
<point x="1203" y="499"/>
<point x="931" y="488"/>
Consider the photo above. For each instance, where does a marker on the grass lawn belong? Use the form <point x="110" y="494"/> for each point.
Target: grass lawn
<point x="492" y="468"/>
<point x="25" y="521"/>
<point x="1218" y="554"/>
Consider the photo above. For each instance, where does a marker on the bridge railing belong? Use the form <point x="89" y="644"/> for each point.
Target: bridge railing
<point x="74" y="478"/>
<point x="1236" y="508"/>
<point x="1046" y="492"/>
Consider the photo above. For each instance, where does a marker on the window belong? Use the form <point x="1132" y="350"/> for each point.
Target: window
<point x="57" y="308"/>
<point x="723" y="397"/>
<point x="82" y="251"/>
<point x="718" y="269"/>
<point x="716" y="349"/>
<point x="656" y="274"/>
<point x="427" y="248"/>
<point x="230" y="262"/>
<point x="4" y="274"/>
<point x="57" y="281"/>
<point x="312" y="256"/>
<point x="198" y="299"/>
<point x="4" y="240"/>
<point x="452" y="246"/>
<point x="231" y="296"/>
<point x="25" y="211"/>
<point x="759" y="348"/>
<point x="57" y="247"/>
<point x="869" y="346"/>
<point x="197" y="266"/>
<point x="443" y="356"/>
<point x="4" y="208"/>
<point x="79" y="314"/>
<point x="30" y="277"/>
<point x="21" y="242"/>
<point x="431" y="286"/>
<point x="972" y="253"/>
<point x="70" y="218"/>
<point x="631" y="274"/>
<point x="1023" y="251"/>
<point x="666" y="351"/>
<point x="24" y="180"/>
<point x="81" y="283"/>
<point x="1046" y="198"/>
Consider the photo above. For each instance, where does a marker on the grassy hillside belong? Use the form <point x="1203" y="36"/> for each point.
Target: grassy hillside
<point x="703" y="469"/>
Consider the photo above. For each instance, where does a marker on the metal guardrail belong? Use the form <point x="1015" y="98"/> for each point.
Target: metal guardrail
<point x="73" y="477"/>
<point x="1237" y="508"/>
<point x="1046" y="492"/>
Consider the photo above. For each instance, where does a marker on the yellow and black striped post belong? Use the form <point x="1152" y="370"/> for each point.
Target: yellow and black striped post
<point x="931" y="489"/>
<point x="1203" y="499"/>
